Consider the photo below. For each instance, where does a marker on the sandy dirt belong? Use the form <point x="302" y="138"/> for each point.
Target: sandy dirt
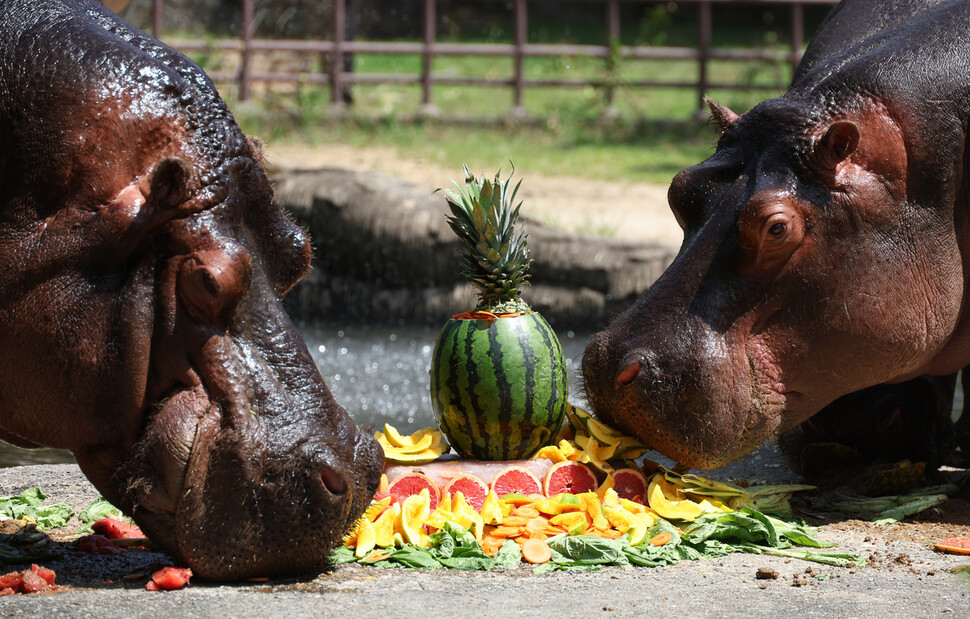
<point x="626" y="210"/>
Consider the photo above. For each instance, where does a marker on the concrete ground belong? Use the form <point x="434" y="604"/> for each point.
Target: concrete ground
<point x="904" y="578"/>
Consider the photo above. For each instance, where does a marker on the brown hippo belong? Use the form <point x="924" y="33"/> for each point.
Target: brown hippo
<point x="826" y="250"/>
<point x="142" y="263"/>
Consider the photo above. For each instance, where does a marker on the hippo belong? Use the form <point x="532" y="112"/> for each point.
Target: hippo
<point x="826" y="251"/>
<point x="142" y="266"/>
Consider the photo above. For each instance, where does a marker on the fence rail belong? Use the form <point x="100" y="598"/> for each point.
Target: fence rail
<point x="339" y="78"/>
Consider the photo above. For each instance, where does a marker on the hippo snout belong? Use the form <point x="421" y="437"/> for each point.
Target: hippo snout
<point x="341" y="476"/>
<point x="676" y="389"/>
<point x="247" y="508"/>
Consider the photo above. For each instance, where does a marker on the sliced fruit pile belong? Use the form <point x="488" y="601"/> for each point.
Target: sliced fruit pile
<point x="416" y="510"/>
<point x="477" y="514"/>
<point x="515" y="505"/>
<point x="586" y="439"/>
<point x="419" y="448"/>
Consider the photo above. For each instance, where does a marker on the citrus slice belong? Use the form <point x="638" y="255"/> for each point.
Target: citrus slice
<point x="472" y="487"/>
<point x="954" y="545"/>
<point x="411" y="484"/>
<point x="570" y="478"/>
<point x="630" y="485"/>
<point x="517" y="480"/>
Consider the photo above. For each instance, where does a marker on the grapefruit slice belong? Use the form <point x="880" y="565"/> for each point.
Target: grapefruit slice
<point x="472" y="487"/>
<point x="571" y="478"/>
<point x="516" y="479"/>
<point x="411" y="484"/>
<point x="631" y="485"/>
<point x="954" y="545"/>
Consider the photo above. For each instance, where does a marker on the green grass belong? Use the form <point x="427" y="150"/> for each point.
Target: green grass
<point x="650" y="135"/>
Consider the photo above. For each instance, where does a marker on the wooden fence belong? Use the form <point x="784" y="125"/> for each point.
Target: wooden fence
<point x="338" y="47"/>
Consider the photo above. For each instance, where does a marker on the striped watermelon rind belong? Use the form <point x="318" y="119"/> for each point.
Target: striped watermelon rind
<point x="498" y="387"/>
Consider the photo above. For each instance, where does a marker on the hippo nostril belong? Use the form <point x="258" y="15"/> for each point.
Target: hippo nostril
<point x="333" y="481"/>
<point x="628" y="374"/>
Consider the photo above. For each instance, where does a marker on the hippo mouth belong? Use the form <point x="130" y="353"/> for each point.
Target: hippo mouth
<point x="703" y="414"/>
<point x="216" y="489"/>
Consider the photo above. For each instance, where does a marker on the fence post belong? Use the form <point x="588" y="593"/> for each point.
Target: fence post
<point x="337" y="60"/>
<point x="797" y="35"/>
<point x="157" y="19"/>
<point x="521" y="33"/>
<point x="613" y="42"/>
<point x="430" y="32"/>
<point x="247" y="37"/>
<point x="704" y="49"/>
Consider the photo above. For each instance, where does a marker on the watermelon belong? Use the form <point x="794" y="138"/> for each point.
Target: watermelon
<point x="498" y="386"/>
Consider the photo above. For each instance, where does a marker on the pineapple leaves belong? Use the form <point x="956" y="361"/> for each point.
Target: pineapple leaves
<point x="493" y="258"/>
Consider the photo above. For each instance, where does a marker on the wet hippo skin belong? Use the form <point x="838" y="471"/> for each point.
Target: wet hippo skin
<point x="142" y="263"/>
<point x="825" y="251"/>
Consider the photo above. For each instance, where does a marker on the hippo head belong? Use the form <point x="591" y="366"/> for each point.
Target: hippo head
<point x="142" y="264"/>
<point x="819" y="257"/>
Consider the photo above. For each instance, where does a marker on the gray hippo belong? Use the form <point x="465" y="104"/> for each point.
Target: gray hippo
<point x="142" y="263"/>
<point x="826" y="250"/>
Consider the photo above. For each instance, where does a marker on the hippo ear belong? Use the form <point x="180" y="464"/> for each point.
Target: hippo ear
<point x="168" y="187"/>
<point x="723" y="117"/>
<point x="840" y="141"/>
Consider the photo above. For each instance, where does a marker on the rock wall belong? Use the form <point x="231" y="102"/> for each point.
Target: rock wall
<point x="384" y="253"/>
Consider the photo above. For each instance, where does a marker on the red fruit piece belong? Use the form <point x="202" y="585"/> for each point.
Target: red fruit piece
<point x="630" y="484"/>
<point x="98" y="544"/>
<point x="571" y="478"/>
<point x="35" y="579"/>
<point x="472" y="488"/>
<point x="116" y="529"/>
<point x="169" y="578"/>
<point x="12" y="581"/>
<point x="516" y="479"/>
<point x="47" y="574"/>
<point x="954" y="545"/>
<point x="413" y="483"/>
<point x="32" y="582"/>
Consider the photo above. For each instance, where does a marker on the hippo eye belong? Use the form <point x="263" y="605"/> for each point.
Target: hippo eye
<point x="777" y="229"/>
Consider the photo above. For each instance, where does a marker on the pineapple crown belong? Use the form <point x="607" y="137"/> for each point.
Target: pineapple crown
<point x="493" y="258"/>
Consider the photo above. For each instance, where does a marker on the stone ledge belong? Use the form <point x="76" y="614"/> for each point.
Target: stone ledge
<point x="384" y="252"/>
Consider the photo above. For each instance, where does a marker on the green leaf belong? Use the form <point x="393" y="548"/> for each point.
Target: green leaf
<point x="461" y="535"/>
<point x="443" y="545"/>
<point x="342" y="554"/>
<point x="411" y="556"/>
<point x="587" y="550"/>
<point x="95" y="511"/>
<point x="509" y="555"/>
<point x="29" y="505"/>
<point x="837" y="559"/>
<point x="547" y="567"/>
<point x="469" y="558"/>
